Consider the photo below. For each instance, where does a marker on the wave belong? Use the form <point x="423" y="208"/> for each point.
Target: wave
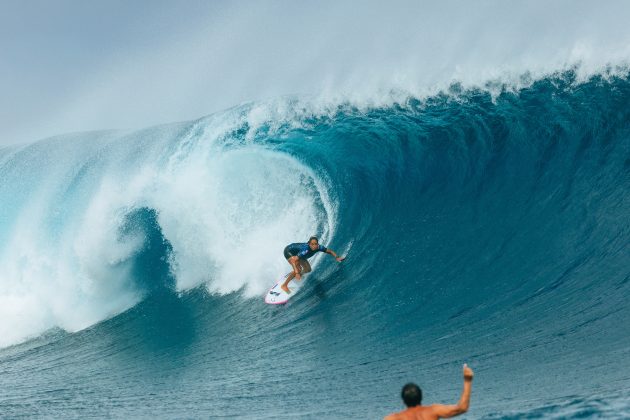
<point x="478" y="224"/>
<point x="89" y="215"/>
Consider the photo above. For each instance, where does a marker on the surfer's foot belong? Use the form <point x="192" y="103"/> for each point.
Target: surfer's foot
<point x="285" y="288"/>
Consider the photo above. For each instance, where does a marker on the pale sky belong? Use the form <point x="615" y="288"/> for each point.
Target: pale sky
<point x="75" y="65"/>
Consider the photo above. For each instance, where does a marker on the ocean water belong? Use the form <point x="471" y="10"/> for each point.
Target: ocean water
<point x="484" y="226"/>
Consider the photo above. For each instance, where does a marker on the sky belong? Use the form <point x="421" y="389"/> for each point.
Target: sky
<point x="79" y="65"/>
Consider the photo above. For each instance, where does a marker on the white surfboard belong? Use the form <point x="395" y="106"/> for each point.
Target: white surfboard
<point x="277" y="296"/>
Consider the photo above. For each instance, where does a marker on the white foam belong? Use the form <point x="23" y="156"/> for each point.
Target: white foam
<point x="338" y="51"/>
<point x="227" y="212"/>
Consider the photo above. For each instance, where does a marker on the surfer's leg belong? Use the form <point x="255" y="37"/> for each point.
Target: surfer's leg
<point x="285" y="285"/>
<point x="291" y="276"/>
<point x="305" y="266"/>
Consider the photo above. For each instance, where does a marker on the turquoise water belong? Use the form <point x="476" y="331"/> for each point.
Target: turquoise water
<point x="485" y="229"/>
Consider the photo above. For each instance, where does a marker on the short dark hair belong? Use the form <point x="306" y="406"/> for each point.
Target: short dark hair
<point x="411" y="395"/>
<point x="313" y="237"/>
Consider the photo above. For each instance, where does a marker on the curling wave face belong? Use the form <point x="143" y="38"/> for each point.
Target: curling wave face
<point x="479" y="227"/>
<point x="81" y="212"/>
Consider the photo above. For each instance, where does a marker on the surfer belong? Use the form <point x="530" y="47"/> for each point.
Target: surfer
<point x="297" y="255"/>
<point x="412" y="396"/>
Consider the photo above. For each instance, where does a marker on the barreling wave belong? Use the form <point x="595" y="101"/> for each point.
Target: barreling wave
<point x="477" y="224"/>
<point x="88" y="218"/>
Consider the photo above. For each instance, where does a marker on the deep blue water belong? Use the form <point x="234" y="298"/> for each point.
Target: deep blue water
<point x="492" y="230"/>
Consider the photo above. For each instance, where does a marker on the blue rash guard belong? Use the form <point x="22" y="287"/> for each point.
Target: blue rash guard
<point x="301" y="250"/>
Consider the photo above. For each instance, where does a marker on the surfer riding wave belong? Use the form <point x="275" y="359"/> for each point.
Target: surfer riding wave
<point x="297" y="254"/>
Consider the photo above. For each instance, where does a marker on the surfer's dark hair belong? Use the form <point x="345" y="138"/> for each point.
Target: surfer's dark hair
<point x="313" y="237"/>
<point x="411" y="395"/>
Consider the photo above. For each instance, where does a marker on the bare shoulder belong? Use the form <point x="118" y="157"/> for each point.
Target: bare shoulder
<point x="415" y="413"/>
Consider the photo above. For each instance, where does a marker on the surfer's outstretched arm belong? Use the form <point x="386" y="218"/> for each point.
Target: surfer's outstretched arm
<point x="464" y="401"/>
<point x="331" y="252"/>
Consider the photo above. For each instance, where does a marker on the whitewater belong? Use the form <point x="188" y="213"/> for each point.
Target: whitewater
<point x="480" y="193"/>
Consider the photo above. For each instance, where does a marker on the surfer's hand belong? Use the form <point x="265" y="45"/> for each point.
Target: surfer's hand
<point x="339" y="259"/>
<point x="298" y="276"/>
<point x="468" y="373"/>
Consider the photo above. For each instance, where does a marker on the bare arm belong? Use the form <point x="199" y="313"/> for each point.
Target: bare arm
<point x="331" y="252"/>
<point x="446" y="411"/>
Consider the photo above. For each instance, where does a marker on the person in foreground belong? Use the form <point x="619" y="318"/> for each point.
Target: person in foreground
<point x="412" y="396"/>
<point x="297" y="255"/>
